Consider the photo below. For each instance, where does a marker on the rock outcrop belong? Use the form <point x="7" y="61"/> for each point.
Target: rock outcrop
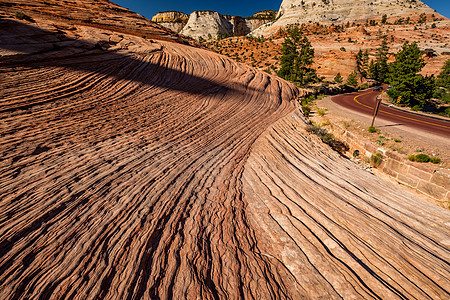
<point x="210" y="24"/>
<point x="340" y="11"/>
<point x="172" y="20"/>
<point x="101" y="14"/>
<point x="207" y="24"/>
<point x="170" y="17"/>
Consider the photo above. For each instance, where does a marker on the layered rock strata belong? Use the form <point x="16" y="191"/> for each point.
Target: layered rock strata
<point x="147" y="169"/>
<point x="172" y="20"/>
<point x="341" y="11"/>
<point x="210" y="25"/>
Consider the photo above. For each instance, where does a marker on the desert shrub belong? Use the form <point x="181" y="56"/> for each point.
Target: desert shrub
<point x="447" y="112"/>
<point x="364" y="86"/>
<point x="375" y="160"/>
<point x="372" y="129"/>
<point x="422" y="158"/>
<point x="397" y="140"/>
<point x="21" y="16"/>
<point x="435" y="160"/>
<point x="321" y="111"/>
<point x="306" y="110"/>
<point x="317" y="130"/>
<point x="328" y="138"/>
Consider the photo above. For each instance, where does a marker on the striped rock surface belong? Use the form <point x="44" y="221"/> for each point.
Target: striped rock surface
<point x="158" y="170"/>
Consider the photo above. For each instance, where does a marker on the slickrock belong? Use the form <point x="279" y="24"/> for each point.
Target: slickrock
<point x="335" y="230"/>
<point x="145" y="169"/>
<point x="341" y="11"/>
<point x="101" y="14"/>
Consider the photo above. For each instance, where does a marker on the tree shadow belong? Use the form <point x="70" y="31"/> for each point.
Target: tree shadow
<point x="391" y="125"/>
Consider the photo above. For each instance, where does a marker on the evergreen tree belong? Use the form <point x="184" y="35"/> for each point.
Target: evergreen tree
<point x="381" y="61"/>
<point x="297" y="58"/>
<point x="443" y="79"/>
<point x="352" y="79"/>
<point x="362" y="61"/>
<point x="413" y="88"/>
<point x="384" y="19"/>
<point x="338" y="78"/>
<point x="373" y="70"/>
<point x="365" y="61"/>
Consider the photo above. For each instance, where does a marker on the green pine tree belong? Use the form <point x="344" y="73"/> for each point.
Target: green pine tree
<point x="373" y="70"/>
<point x="443" y="79"/>
<point x="381" y="61"/>
<point x="338" y="78"/>
<point x="365" y="61"/>
<point x="352" y="79"/>
<point x="413" y="88"/>
<point x="362" y="61"/>
<point x="297" y="58"/>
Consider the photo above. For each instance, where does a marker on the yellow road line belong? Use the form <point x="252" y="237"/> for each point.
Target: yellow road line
<point x="425" y="122"/>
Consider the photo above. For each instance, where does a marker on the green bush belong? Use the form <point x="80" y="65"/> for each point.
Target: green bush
<point x="306" y="110"/>
<point x="397" y="140"/>
<point x="422" y="158"/>
<point x="328" y="138"/>
<point x="375" y="160"/>
<point x="416" y="108"/>
<point x="364" y="86"/>
<point x="372" y="129"/>
<point x="321" y="111"/>
<point x="435" y="160"/>
<point x="447" y="112"/>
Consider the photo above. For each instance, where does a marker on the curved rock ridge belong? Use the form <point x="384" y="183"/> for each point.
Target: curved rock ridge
<point x="120" y="170"/>
<point x="340" y="11"/>
<point x="335" y="231"/>
<point x="101" y="14"/>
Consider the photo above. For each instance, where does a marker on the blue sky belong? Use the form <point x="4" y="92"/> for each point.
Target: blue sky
<point x="244" y="8"/>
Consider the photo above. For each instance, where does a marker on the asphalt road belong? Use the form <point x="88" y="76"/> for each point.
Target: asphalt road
<point x="364" y="102"/>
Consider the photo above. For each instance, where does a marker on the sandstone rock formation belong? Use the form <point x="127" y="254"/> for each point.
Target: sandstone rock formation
<point x="172" y="20"/>
<point x="148" y="169"/>
<point x="340" y="11"/>
<point x="170" y="16"/>
<point x="210" y="24"/>
<point x="81" y="12"/>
